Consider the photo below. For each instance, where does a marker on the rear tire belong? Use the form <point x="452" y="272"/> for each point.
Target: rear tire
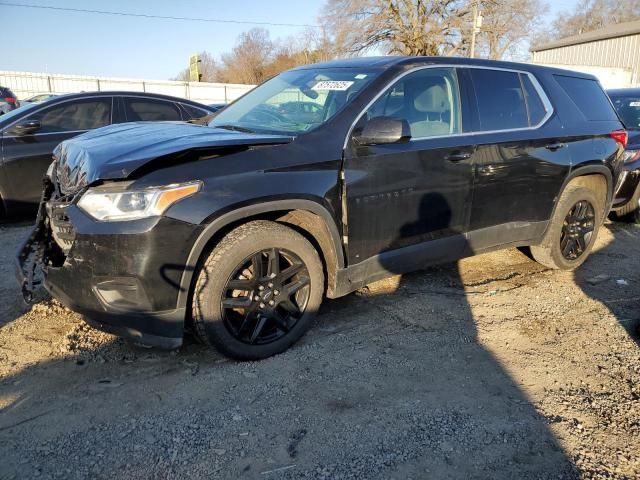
<point x="258" y="291"/>
<point x="573" y="229"/>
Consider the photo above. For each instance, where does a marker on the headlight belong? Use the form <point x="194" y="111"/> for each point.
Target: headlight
<point x="133" y="204"/>
<point x="631" y="156"/>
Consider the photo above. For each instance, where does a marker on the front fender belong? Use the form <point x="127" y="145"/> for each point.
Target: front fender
<point x="218" y="223"/>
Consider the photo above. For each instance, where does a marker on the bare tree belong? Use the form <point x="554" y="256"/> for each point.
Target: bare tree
<point x="408" y="27"/>
<point x="507" y="26"/>
<point x="248" y="60"/>
<point x="589" y="15"/>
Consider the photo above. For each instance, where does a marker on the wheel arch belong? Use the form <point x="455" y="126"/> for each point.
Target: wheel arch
<point x="584" y="174"/>
<point x="307" y="217"/>
<point x="587" y="175"/>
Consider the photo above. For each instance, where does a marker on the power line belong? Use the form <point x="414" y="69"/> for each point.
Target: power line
<point x="162" y="17"/>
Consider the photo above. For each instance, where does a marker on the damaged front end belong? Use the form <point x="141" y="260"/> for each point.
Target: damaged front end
<point x="47" y="242"/>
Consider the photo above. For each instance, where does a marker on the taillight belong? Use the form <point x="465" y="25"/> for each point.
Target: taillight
<point x="10" y="100"/>
<point x="620" y="136"/>
<point x="631" y="156"/>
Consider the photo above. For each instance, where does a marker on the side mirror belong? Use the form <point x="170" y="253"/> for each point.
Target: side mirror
<point x="384" y="130"/>
<point x="27" y="127"/>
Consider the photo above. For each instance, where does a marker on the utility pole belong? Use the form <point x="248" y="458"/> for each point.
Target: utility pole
<point x="477" y="23"/>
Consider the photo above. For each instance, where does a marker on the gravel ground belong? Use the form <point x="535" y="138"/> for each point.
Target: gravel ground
<point x="492" y="367"/>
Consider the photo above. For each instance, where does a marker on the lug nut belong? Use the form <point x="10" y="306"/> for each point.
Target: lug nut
<point x="272" y="303"/>
<point x="256" y="298"/>
<point x="276" y="292"/>
<point x="262" y="305"/>
<point x="270" y="285"/>
<point x="260" y="287"/>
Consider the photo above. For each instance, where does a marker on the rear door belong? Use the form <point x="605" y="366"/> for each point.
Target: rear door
<point x="520" y="161"/>
<point x="410" y="201"/>
<point x="27" y="157"/>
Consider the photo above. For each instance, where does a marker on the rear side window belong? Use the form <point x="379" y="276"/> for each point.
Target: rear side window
<point x="588" y="97"/>
<point x="500" y="99"/>
<point x="535" y="107"/>
<point x="150" y="110"/>
<point x="194" y="112"/>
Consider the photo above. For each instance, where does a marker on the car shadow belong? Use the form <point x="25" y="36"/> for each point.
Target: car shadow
<point x="385" y="386"/>
<point x="618" y="293"/>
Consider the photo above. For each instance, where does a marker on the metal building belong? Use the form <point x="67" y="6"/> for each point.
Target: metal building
<point x="611" y="53"/>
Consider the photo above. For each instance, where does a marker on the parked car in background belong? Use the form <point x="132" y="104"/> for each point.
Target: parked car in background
<point x="39" y="98"/>
<point x="28" y="135"/>
<point x="8" y="100"/>
<point x="240" y="228"/>
<point x="626" y="204"/>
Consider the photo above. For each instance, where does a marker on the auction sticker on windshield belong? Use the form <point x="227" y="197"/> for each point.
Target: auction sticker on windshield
<point x="338" y="85"/>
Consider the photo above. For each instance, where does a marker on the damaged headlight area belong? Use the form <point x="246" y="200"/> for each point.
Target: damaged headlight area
<point x="115" y="206"/>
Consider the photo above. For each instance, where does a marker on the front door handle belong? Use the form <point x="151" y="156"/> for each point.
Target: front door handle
<point x="555" y="146"/>
<point x="458" y="156"/>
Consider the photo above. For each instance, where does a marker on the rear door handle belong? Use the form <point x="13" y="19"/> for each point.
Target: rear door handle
<point x="458" y="156"/>
<point x="555" y="146"/>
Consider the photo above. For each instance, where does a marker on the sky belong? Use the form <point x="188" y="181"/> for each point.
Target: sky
<point x="53" y="41"/>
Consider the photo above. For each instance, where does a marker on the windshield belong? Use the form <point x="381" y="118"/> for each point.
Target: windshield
<point x="294" y="102"/>
<point x="629" y="110"/>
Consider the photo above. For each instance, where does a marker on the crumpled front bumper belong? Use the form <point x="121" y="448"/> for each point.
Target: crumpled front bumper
<point x="123" y="277"/>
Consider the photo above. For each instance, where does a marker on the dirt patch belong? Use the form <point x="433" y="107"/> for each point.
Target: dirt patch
<point x="493" y="367"/>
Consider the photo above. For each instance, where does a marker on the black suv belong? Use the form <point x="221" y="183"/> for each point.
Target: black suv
<point x="239" y="229"/>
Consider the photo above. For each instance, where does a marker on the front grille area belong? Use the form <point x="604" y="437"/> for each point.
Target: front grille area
<point x="61" y="229"/>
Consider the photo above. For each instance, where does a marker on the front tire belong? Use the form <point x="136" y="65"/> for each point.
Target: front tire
<point x="573" y="229"/>
<point x="258" y="291"/>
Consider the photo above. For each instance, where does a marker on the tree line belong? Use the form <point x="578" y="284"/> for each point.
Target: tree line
<point x="410" y="27"/>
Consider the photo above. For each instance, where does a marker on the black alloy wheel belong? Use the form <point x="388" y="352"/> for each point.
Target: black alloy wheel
<point x="265" y="296"/>
<point x="577" y="230"/>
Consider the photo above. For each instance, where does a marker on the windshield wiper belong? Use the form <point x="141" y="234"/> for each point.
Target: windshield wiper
<point x="235" y="128"/>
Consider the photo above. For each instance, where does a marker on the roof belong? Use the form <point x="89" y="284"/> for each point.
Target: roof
<point x="405" y="62"/>
<point x="106" y="93"/>
<point x="612" y="31"/>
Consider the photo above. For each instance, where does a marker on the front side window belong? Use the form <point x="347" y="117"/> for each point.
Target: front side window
<point x="500" y="99"/>
<point x="428" y="100"/>
<point x="628" y="107"/>
<point x="74" y="115"/>
<point x="150" y="110"/>
<point x="294" y="102"/>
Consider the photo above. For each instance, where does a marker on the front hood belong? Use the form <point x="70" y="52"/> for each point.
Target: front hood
<point x="116" y="151"/>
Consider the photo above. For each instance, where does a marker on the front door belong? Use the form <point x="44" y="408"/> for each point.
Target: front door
<point x="410" y="201"/>
<point x="26" y="157"/>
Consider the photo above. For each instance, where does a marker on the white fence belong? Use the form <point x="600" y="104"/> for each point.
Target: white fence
<point x="25" y="84"/>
